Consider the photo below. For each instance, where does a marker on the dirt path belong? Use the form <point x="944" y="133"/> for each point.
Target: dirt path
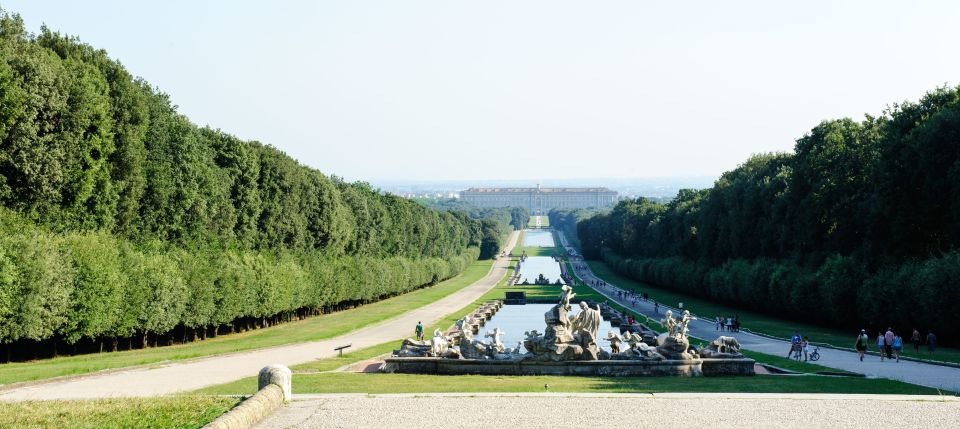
<point x="179" y="377"/>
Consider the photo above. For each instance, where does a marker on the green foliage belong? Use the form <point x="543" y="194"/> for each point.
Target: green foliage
<point x="858" y="227"/>
<point x="121" y="218"/>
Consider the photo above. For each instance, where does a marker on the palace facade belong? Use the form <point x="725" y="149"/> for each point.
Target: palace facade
<point x="540" y="200"/>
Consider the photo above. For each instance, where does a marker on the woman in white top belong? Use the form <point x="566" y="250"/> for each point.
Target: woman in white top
<point x="880" y="344"/>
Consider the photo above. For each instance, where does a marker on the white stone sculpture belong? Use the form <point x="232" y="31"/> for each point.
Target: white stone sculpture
<point x="438" y="344"/>
<point x="495" y="335"/>
<point x="588" y="319"/>
<point x="615" y="341"/>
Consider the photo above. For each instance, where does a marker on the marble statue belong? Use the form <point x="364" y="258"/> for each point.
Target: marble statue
<point x="438" y="344"/>
<point x="669" y="323"/>
<point x="722" y="348"/>
<point x="615" y="341"/>
<point x="587" y="320"/>
<point x="566" y="294"/>
<point x="495" y="335"/>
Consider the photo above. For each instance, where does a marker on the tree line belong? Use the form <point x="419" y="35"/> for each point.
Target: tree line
<point x="858" y="227"/>
<point x="122" y="220"/>
<point x="496" y="222"/>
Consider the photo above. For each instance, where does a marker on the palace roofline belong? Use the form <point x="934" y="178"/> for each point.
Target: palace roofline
<point x="526" y="190"/>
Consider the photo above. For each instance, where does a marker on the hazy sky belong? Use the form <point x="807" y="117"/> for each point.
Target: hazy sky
<point x="517" y="89"/>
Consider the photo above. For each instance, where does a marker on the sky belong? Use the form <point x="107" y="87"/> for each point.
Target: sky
<point x="471" y="90"/>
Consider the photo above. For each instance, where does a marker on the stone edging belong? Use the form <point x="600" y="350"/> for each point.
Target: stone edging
<point x="251" y="411"/>
<point x="274" y="382"/>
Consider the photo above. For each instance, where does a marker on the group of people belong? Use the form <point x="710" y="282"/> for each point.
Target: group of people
<point x="890" y="344"/>
<point x="799" y="347"/>
<point x="728" y="323"/>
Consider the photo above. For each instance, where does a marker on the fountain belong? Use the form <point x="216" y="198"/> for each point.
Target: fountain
<point x="569" y="346"/>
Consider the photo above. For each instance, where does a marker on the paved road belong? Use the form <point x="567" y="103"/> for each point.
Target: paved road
<point x="178" y="377"/>
<point x="506" y="410"/>
<point x="923" y="374"/>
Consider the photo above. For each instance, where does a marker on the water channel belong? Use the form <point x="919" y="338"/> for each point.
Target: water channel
<point x="514" y="320"/>
<point x="532" y="238"/>
<point x="533" y="266"/>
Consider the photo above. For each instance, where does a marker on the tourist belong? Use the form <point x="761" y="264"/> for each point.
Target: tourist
<point x="719" y="322"/>
<point x="888" y="342"/>
<point x="931" y="342"/>
<point x="915" y="338"/>
<point x="881" y="344"/>
<point x="805" y="346"/>
<point x="730" y="324"/>
<point x="736" y="323"/>
<point x="897" y="346"/>
<point x="656" y="308"/>
<point x="861" y="344"/>
<point x="419" y="331"/>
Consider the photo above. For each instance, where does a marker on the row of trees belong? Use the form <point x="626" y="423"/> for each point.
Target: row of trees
<point x="120" y="218"/>
<point x="860" y="224"/>
<point x="566" y="220"/>
<point x="497" y="222"/>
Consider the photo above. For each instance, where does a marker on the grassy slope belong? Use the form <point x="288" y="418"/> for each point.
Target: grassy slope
<point x="757" y="322"/>
<point x="189" y="411"/>
<point x="312" y="329"/>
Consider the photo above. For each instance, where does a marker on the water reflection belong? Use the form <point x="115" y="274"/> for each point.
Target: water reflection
<point x="533" y="238"/>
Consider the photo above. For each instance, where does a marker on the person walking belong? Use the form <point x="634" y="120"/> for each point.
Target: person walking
<point x="915" y="339"/>
<point x="730" y="324"/>
<point x="720" y="323"/>
<point x="931" y="342"/>
<point x="861" y="344"/>
<point x="419" y="331"/>
<point x="805" y="346"/>
<point x="897" y="346"/>
<point x="881" y="342"/>
<point x="888" y="342"/>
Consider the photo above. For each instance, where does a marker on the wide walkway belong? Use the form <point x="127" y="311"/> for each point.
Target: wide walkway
<point x="924" y="374"/>
<point x="196" y="374"/>
<point x="696" y="410"/>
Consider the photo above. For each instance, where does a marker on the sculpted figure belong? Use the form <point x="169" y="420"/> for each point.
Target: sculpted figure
<point x="615" y="341"/>
<point x="566" y="294"/>
<point x="438" y="344"/>
<point x="669" y="323"/>
<point x="588" y="319"/>
<point x="496" y="334"/>
<point x="681" y="327"/>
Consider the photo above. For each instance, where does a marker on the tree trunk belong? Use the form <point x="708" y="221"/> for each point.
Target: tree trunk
<point x="113" y="346"/>
<point x="145" y="340"/>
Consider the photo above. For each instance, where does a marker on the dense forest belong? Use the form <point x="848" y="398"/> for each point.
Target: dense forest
<point x="860" y="226"/>
<point x="123" y="222"/>
<point x="496" y="222"/>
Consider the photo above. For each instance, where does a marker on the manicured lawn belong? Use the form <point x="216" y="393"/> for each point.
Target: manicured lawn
<point x="757" y="322"/>
<point x="544" y="222"/>
<point x="188" y="411"/>
<point x="344" y="382"/>
<point x="312" y="329"/>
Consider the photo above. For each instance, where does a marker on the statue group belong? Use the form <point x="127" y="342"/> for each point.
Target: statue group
<point x="572" y="337"/>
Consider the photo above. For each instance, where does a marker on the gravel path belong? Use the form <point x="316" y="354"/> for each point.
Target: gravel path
<point x="196" y="374"/>
<point x="672" y="411"/>
<point x="924" y="374"/>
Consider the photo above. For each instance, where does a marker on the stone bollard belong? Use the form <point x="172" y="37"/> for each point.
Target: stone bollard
<point x="279" y="375"/>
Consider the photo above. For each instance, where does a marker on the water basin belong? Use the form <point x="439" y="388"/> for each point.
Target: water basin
<point x="514" y="320"/>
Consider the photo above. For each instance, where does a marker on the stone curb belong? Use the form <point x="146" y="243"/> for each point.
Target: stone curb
<point x="274" y="382"/>
<point x="663" y="395"/>
<point x="251" y="411"/>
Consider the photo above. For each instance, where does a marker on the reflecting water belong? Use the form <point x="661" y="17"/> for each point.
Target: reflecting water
<point x="514" y="320"/>
<point x="533" y="238"/>
<point x="533" y="266"/>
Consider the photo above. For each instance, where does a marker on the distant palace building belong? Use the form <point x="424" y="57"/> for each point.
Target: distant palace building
<point x="540" y="199"/>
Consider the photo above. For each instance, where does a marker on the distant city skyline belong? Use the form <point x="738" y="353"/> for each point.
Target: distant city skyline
<point x="531" y="91"/>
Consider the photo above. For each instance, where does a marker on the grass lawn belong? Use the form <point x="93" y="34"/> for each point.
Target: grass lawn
<point x="544" y="222"/>
<point x="185" y="411"/>
<point x="757" y="322"/>
<point x="312" y="329"/>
